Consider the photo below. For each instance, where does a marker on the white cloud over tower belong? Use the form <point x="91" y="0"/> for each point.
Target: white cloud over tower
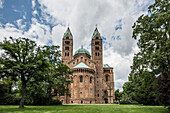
<point x="114" y="18"/>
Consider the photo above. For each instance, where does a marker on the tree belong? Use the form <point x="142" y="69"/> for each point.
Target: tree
<point x="152" y="32"/>
<point x="118" y="95"/>
<point x="59" y="74"/>
<point x="64" y="73"/>
<point x="128" y="93"/>
<point x="22" y="60"/>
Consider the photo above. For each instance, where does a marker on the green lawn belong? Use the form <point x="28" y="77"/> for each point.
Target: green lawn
<point x="84" y="109"/>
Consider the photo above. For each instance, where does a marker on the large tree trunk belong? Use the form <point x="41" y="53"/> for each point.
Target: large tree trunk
<point x="23" y="92"/>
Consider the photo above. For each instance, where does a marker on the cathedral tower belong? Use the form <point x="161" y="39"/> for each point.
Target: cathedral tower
<point x="97" y="57"/>
<point x="67" y="46"/>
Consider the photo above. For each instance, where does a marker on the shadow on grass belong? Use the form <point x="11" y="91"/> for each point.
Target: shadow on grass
<point x="27" y="108"/>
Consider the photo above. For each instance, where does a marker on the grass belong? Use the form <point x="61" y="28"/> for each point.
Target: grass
<point x="84" y="109"/>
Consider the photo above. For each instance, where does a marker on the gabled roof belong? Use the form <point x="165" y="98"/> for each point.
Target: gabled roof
<point x="96" y="32"/>
<point x="68" y="32"/>
<point x="81" y="65"/>
<point x="82" y="50"/>
<point x="106" y="66"/>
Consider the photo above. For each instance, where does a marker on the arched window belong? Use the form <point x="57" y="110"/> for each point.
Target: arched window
<point x="98" y="53"/>
<point x="66" y="48"/>
<point x="97" y="43"/>
<point x="90" y="79"/>
<point x="67" y="42"/>
<point x="67" y="37"/>
<point x="71" y="79"/>
<point x="81" y="79"/>
<point x="97" y="37"/>
<point x="107" y="78"/>
<point x="65" y="54"/>
<point x="96" y="48"/>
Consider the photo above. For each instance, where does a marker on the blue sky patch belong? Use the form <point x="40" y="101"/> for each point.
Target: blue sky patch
<point x="17" y="9"/>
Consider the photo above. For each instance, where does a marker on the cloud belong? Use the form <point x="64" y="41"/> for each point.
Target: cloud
<point x="120" y="63"/>
<point x="49" y="20"/>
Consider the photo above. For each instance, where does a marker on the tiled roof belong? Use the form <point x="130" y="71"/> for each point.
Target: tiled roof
<point x="81" y="65"/>
<point x="68" y="32"/>
<point x="106" y="66"/>
<point x="95" y="33"/>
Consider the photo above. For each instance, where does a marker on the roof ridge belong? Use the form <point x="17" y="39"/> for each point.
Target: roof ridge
<point x="81" y="65"/>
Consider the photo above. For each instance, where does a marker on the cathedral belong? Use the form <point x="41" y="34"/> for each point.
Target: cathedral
<point x="92" y="82"/>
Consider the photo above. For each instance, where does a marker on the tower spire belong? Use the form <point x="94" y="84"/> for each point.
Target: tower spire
<point x="68" y="32"/>
<point x="96" y="32"/>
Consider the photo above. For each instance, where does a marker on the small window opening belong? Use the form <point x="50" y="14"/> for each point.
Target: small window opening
<point x="81" y="102"/>
<point x="97" y="43"/>
<point x="81" y="79"/>
<point x="106" y="78"/>
<point x="67" y="37"/>
<point x="96" y="53"/>
<point x="71" y="79"/>
<point x="67" y="42"/>
<point x="97" y="48"/>
<point x="90" y="79"/>
<point x="66" y="48"/>
<point x="97" y="37"/>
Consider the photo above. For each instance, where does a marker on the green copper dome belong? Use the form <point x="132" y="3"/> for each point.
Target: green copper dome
<point x="82" y="50"/>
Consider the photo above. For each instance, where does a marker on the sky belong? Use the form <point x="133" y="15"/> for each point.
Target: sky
<point x="45" y="22"/>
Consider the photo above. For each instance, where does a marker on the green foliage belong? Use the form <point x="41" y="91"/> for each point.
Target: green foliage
<point x="118" y="95"/>
<point x="152" y="32"/>
<point x="23" y="61"/>
<point x="7" y="96"/>
<point x="126" y="99"/>
<point x="35" y="70"/>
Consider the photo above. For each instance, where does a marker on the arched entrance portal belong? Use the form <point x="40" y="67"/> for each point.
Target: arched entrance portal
<point x="106" y="100"/>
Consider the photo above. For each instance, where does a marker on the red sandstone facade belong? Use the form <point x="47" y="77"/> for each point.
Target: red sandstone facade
<point x="91" y="82"/>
